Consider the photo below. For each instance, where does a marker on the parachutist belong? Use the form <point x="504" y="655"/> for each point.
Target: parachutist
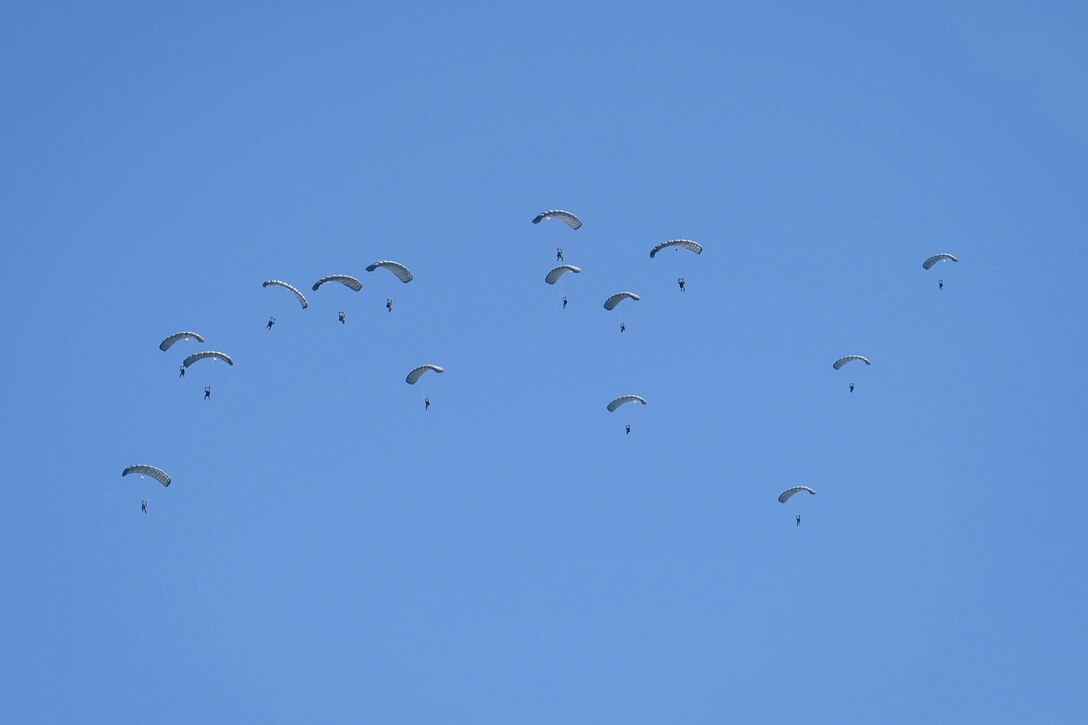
<point x="181" y="371"/>
<point x="389" y="304"/>
<point x="207" y="393"/>
<point x="680" y="281"/>
<point x="622" y="327"/>
<point x="143" y="506"/>
<point x="851" y="387"/>
<point x="271" y="321"/>
<point x="426" y="404"/>
<point x="564" y="302"/>
<point x="798" y="520"/>
<point x="940" y="284"/>
<point x="559" y="254"/>
<point x="342" y="318"/>
<point x="628" y="430"/>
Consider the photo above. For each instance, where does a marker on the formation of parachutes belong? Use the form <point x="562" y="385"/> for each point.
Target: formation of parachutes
<point x="401" y="272"/>
<point x="404" y="275"/>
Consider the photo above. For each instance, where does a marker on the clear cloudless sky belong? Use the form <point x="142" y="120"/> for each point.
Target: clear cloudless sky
<point x="330" y="552"/>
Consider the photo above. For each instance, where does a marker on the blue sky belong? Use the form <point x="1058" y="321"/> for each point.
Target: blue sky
<point x="329" y="552"/>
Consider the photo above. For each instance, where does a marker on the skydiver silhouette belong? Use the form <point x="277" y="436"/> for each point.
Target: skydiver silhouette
<point x="389" y="304"/>
<point x="940" y="284"/>
<point x="798" y="520"/>
<point x="680" y="281"/>
<point x="341" y="318"/>
<point x="426" y="404"/>
<point x="564" y="302"/>
<point x="622" y="327"/>
<point x="143" y="506"/>
<point x="271" y="321"/>
<point x="559" y="254"/>
<point x="851" y="387"/>
<point x="181" y="372"/>
<point x="628" y="429"/>
<point x="207" y="393"/>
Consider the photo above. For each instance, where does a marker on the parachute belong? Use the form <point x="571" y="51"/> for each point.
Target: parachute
<point x="415" y="375"/>
<point x="848" y="359"/>
<point x="556" y="273"/>
<point x="197" y="356"/>
<point x="938" y="258"/>
<point x="564" y="216"/>
<point x="278" y="283"/>
<point x="343" y="279"/>
<point x="678" y="243"/>
<point x="169" y="342"/>
<point x="623" y="399"/>
<point x="619" y="297"/>
<point x="788" y="493"/>
<point x="399" y="270"/>
<point x="157" y="473"/>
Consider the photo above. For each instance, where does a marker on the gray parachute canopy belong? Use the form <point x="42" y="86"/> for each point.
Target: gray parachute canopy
<point x="564" y="216"/>
<point x="619" y="297"/>
<point x="556" y="273"/>
<point x="169" y="342"/>
<point x="399" y="270"/>
<point x="280" y="283"/>
<point x="343" y="279"/>
<point x="157" y="473"/>
<point x="198" y="356"/>
<point x="623" y="400"/>
<point x="938" y="258"/>
<point x="849" y="359"/>
<point x="415" y="375"/>
<point x="678" y="243"/>
<point x="785" y="495"/>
